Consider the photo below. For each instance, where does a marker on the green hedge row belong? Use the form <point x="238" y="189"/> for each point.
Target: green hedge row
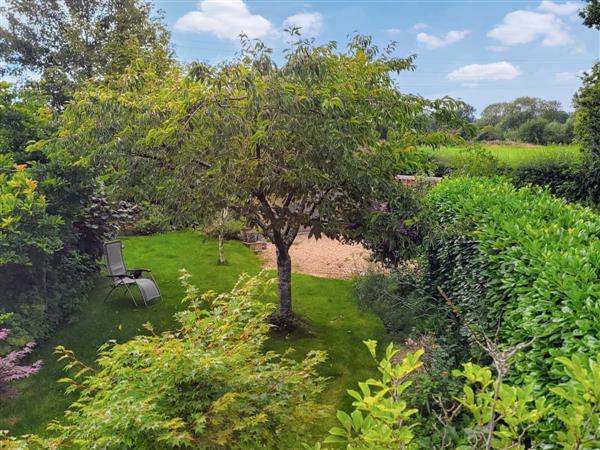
<point x="520" y="263"/>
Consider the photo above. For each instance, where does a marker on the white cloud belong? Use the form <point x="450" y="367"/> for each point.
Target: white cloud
<point x="521" y="27"/>
<point x="431" y="41"/>
<point x="472" y="74"/>
<point x="419" y="26"/>
<point x="310" y="23"/>
<point x="568" y="76"/>
<point x="559" y="9"/>
<point x="226" y="19"/>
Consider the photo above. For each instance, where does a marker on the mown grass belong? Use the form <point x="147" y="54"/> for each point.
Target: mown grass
<point x="335" y="323"/>
<point x="515" y="155"/>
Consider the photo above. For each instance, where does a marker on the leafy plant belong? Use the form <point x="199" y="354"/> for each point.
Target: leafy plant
<point x="210" y="384"/>
<point x="381" y="418"/>
<point x="581" y="417"/>
<point x="518" y="264"/>
<point x="11" y="367"/>
<point x="281" y="146"/>
<point x="27" y="230"/>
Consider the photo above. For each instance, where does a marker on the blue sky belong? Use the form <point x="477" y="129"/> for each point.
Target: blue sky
<point x="482" y="51"/>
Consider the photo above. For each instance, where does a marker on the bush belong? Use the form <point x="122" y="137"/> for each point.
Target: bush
<point x="561" y="178"/>
<point x="556" y="133"/>
<point x="534" y="131"/>
<point x="519" y="264"/>
<point x="488" y="414"/>
<point x="395" y="298"/>
<point x="149" y="219"/>
<point x="587" y="130"/>
<point x="11" y="368"/>
<point x="231" y="230"/>
<point x="489" y="133"/>
<point x="476" y="160"/>
<point x="209" y="385"/>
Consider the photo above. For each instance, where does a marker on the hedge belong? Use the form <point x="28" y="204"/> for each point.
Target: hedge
<point x="521" y="263"/>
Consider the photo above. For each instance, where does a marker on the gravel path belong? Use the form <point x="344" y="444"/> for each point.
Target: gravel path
<point x="324" y="257"/>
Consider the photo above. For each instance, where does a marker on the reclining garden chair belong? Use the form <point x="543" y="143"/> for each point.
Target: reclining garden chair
<point x="122" y="277"/>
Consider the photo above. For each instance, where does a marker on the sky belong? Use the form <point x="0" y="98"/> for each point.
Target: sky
<point x="481" y="51"/>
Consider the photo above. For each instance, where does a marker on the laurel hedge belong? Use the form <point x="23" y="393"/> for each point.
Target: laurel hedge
<point x="519" y="264"/>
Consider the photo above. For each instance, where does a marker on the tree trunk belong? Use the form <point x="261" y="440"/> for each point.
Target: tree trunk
<point x="221" y="248"/>
<point x="284" y="275"/>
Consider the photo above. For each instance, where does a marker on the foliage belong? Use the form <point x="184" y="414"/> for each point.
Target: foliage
<point x="101" y="221"/>
<point x="488" y="414"/>
<point x="587" y="129"/>
<point x="580" y="418"/>
<point x="476" y="160"/>
<point x="283" y="147"/>
<point x="381" y="418"/>
<point x="518" y="264"/>
<point x="489" y="133"/>
<point x="148" y="218"/>
<point x="591" y="14"/>
<point x="67" y="42"/>
<point x="208" y="385"/>
<point x="528" y="119"/>
<point x="533" y="131"/>
<point x="390" y="230"/>
<point x="561" y="178"/>
<point x="559" y="133"/>
<point x="51" y="228"/>
<point x="11" y="368"/>
<point x="24" y="117"/>
<point x="395" y="298"/>
<point x="26" y="228"/>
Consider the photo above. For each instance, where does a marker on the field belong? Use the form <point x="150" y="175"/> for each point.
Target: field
<point x="514" y="155"/>
<point x="335" y="323"/>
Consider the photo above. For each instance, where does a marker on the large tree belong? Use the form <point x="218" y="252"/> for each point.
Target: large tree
<point x="68" y="41"/>
<point x="289" y="147"/>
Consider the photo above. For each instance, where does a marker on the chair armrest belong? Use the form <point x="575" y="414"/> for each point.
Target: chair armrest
<point x="137" y="273"/>
<point x="116" y="276"/>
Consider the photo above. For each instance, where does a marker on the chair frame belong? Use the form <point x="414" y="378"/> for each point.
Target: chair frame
<point x="118" y="280"/>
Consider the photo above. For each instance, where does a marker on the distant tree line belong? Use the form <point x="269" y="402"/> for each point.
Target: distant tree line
<point x="526" y="119"/>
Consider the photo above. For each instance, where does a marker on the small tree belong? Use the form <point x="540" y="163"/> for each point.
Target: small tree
<point x="289" y="147"/>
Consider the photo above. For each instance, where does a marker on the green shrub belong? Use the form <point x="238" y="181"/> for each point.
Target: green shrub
<point x="208" y="385"/>
<point x="476" y="160"/>
<point x="534" y="131"/>
<point x="587" y="130"/>
<point x="488" y="414"/>
<point x="557" y="133"/>
<point x="149" y="219"/>
<point x="231" y="230"/>
<point x="519" y="264"/>
<point x="489" y="133"/>
<point x="395" y="298"/>
<point x="561" y="178"/>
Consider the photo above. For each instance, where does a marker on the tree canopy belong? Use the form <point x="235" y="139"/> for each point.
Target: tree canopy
<point x="300" y="145"/>
<point x="66" y="42"/>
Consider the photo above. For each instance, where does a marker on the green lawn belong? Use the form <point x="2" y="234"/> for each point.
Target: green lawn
<point x="335" y="322"/>
<point x="516" y="155"/>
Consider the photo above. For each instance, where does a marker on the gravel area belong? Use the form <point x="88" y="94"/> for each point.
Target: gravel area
<point x="323" y="258"/>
